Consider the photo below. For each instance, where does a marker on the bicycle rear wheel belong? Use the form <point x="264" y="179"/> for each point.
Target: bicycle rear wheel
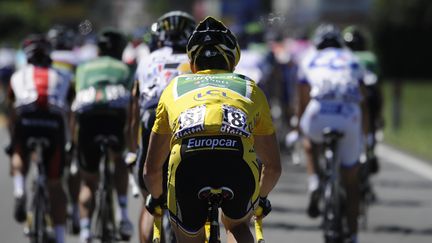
<point x="105" y="228"/>
<point x="40" y="222"/>
<point x="332" y="216"/>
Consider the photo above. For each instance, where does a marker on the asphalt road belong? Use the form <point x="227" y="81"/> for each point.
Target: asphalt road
<point x="403" y="213"/>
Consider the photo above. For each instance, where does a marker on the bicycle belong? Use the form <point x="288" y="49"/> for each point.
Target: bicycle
<point x="39" y="221"/>
<point x="333" y="195"/>
<point x="104" y="224"/>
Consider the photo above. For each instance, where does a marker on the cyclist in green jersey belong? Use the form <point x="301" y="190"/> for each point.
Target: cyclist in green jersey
<point x="101" y="107"/>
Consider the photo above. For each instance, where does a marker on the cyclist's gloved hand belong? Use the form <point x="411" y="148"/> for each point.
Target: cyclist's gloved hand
<point x="8" y="150"/>
<point x="155" y="205"/>
<point x="130" y="158"/>
<point x="266" y="206"/>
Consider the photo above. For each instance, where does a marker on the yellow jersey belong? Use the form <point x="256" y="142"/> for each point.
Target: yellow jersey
<point x="213" y="102"/>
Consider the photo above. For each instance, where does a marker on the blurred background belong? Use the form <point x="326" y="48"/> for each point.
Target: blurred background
<point x="399" y="32"/>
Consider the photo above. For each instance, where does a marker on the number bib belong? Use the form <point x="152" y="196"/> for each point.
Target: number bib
<point x="191" y="121"/>
<point x="234" y="121"/>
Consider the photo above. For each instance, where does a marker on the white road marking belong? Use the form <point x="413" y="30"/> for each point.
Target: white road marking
<point x="405" y="161"/>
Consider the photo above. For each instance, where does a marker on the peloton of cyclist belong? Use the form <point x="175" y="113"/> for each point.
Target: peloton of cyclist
<point x="356" y="40"/>
<point x="330" y="95"/>
<point x="39" y="108"/>
<point x="101" y="107"/>
<point x="171" y="32"/>
<point x="213" y="123"/>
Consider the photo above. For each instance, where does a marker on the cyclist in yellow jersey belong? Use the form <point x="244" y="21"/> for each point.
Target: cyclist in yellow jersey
<point x="213" y="123"/>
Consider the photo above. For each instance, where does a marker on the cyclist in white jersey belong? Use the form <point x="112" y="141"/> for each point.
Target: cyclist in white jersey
<point x="171" y="32"/>
<point x="330" y="95"/>
<point x="38" y="108"/>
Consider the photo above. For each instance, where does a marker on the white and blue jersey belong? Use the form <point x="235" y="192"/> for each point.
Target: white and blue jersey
<point x="333" y="74"/>
<point x="335" y="77"/>
<point x="155" y="72"/>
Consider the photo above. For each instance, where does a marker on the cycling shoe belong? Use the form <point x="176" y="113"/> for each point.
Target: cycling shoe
<point x="313" y="208"/>
<point x="20" y="212"/>
<point x="126" y="230"/>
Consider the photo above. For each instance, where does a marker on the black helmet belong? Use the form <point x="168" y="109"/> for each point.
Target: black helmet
<point x="173" y="29"/>
<point x="212" y="38"/>
<point x="37" y="50"/>
<point x="111" y="42"/>
<point x="327" y="35"/>
<point x="354" y="38"/>
<point x="61" y="37"/>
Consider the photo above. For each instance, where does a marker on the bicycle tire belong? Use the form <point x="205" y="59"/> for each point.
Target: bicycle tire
<point x="332" y="217"/>
<point x="38" y="233"/>
<point x="104" y="226"/>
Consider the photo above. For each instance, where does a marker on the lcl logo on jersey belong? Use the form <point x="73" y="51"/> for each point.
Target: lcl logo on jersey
<point x="209" y="94"/>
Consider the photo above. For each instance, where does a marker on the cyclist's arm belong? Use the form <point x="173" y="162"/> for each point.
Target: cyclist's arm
<point x="134" y="119"/>
<point x="11" y="110"/>
<point x="303" y="91"/>
<point x="267" y="149"/>
<point x="365" y="110"/>
<point x="158" y="150"/>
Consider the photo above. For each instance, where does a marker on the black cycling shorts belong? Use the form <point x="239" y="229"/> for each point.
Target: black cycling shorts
<point x="215" y="161"/>
<point x="42" y="124"/>
<point x="98" y="122"/>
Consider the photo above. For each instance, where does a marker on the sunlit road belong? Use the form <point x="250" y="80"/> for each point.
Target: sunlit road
<point x="403" y="213"/>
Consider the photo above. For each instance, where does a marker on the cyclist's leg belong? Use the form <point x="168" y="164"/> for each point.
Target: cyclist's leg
<point x="238" y="229"/>
<point x="89" y="155"/>
<point x="242" y="178"/>
<point x="54" y="158"/>
<point x="115" y="125"/>
<point x="349" y="150"/>
<point x="145" y="221"/>
<point x="20" y="164"/>
<point x="19" y="169"/>
<point x="73" y="183"/>
<point x="312" y="124"/>
<point x="182" y="237"/>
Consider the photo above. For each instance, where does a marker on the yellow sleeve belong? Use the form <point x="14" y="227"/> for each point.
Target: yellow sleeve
<point x="264" y="122"/>
<point x="161" y="124"/>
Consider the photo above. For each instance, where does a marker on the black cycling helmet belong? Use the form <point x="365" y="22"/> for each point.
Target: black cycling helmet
<point x="173" y="29"/>
<point x="354" y="38"/>
<point x="61" y="37"/>
<point x="111" y="42"/>
<point x="37" y="50"/>
<point x="212" y="38"/>
<point x="327" y="35"/>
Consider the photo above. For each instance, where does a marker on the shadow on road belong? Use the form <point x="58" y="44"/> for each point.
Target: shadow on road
<point x="399" y="203"/>
<point x="291" y="227"/>
<point x="300" y="211"/>
<point x="398" y="229"/>
<point x="403" y="184"/>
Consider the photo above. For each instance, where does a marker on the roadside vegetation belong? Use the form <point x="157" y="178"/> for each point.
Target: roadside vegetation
<point x="414" y="133"/>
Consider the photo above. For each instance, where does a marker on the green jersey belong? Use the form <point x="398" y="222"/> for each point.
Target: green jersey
<point x="103" y="81"/>
<point x="369" y="61"/>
